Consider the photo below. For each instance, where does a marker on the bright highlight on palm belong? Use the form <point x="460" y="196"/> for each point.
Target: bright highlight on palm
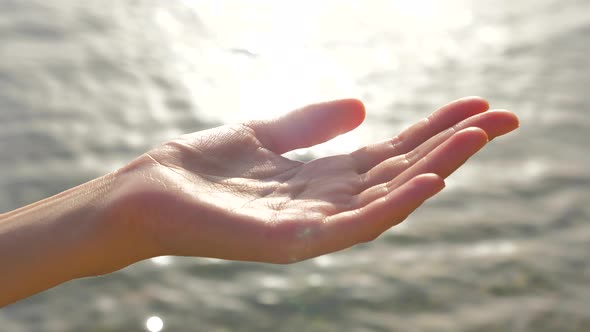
<point x="229" y="193"/>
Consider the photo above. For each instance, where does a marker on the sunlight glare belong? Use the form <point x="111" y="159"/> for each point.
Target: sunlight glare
<point x="290" y="80"/>
<point x="417" y="8"/>
<point x="154" y="324"/>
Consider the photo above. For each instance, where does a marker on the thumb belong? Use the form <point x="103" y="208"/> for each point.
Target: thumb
<point x="309" y="125"/>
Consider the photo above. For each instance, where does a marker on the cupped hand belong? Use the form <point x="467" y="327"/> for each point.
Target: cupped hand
<point x="228" y="192"/>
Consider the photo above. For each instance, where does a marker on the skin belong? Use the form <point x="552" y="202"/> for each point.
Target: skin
<point x="228" y="193"/>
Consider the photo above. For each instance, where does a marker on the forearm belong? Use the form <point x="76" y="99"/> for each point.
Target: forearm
<point x="77" y="233"/>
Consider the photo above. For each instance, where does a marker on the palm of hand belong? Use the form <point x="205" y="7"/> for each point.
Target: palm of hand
<point x="228" y="192"/>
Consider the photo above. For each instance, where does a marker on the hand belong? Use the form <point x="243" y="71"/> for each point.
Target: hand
<point x="229" y="193"/>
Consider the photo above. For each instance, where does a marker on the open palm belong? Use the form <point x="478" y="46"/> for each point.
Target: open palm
<point x="229" y="193"/>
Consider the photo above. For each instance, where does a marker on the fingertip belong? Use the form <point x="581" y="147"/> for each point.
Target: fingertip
<point x="355" y="109"/>
<point x="361" y="110"/>
<point x="496" y="122"/>
<point x="433" y="180"/>
<point x="473" y="134"/>
<point x="510" y="119"/>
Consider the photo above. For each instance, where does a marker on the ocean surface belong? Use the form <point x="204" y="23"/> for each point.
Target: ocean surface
<point x="86" y="86"/>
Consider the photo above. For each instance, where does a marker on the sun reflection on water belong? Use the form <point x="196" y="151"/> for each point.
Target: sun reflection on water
<point x="272" y="57"/>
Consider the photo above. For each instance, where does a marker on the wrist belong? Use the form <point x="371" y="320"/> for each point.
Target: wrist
<point x="156" y="211"/>
<point x="71" y="235"/>
<point x="123" y="232"/>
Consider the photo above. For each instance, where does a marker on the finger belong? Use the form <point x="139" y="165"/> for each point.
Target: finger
<point x="310" y="125"/>
<point x="448" y="156"/>
<point x="369" y="221"/>
<point x="445" y="117"/>
<point x="495" y="123"/>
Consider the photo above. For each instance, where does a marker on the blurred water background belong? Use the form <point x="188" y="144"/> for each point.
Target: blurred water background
<point x="87" y="86"/>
